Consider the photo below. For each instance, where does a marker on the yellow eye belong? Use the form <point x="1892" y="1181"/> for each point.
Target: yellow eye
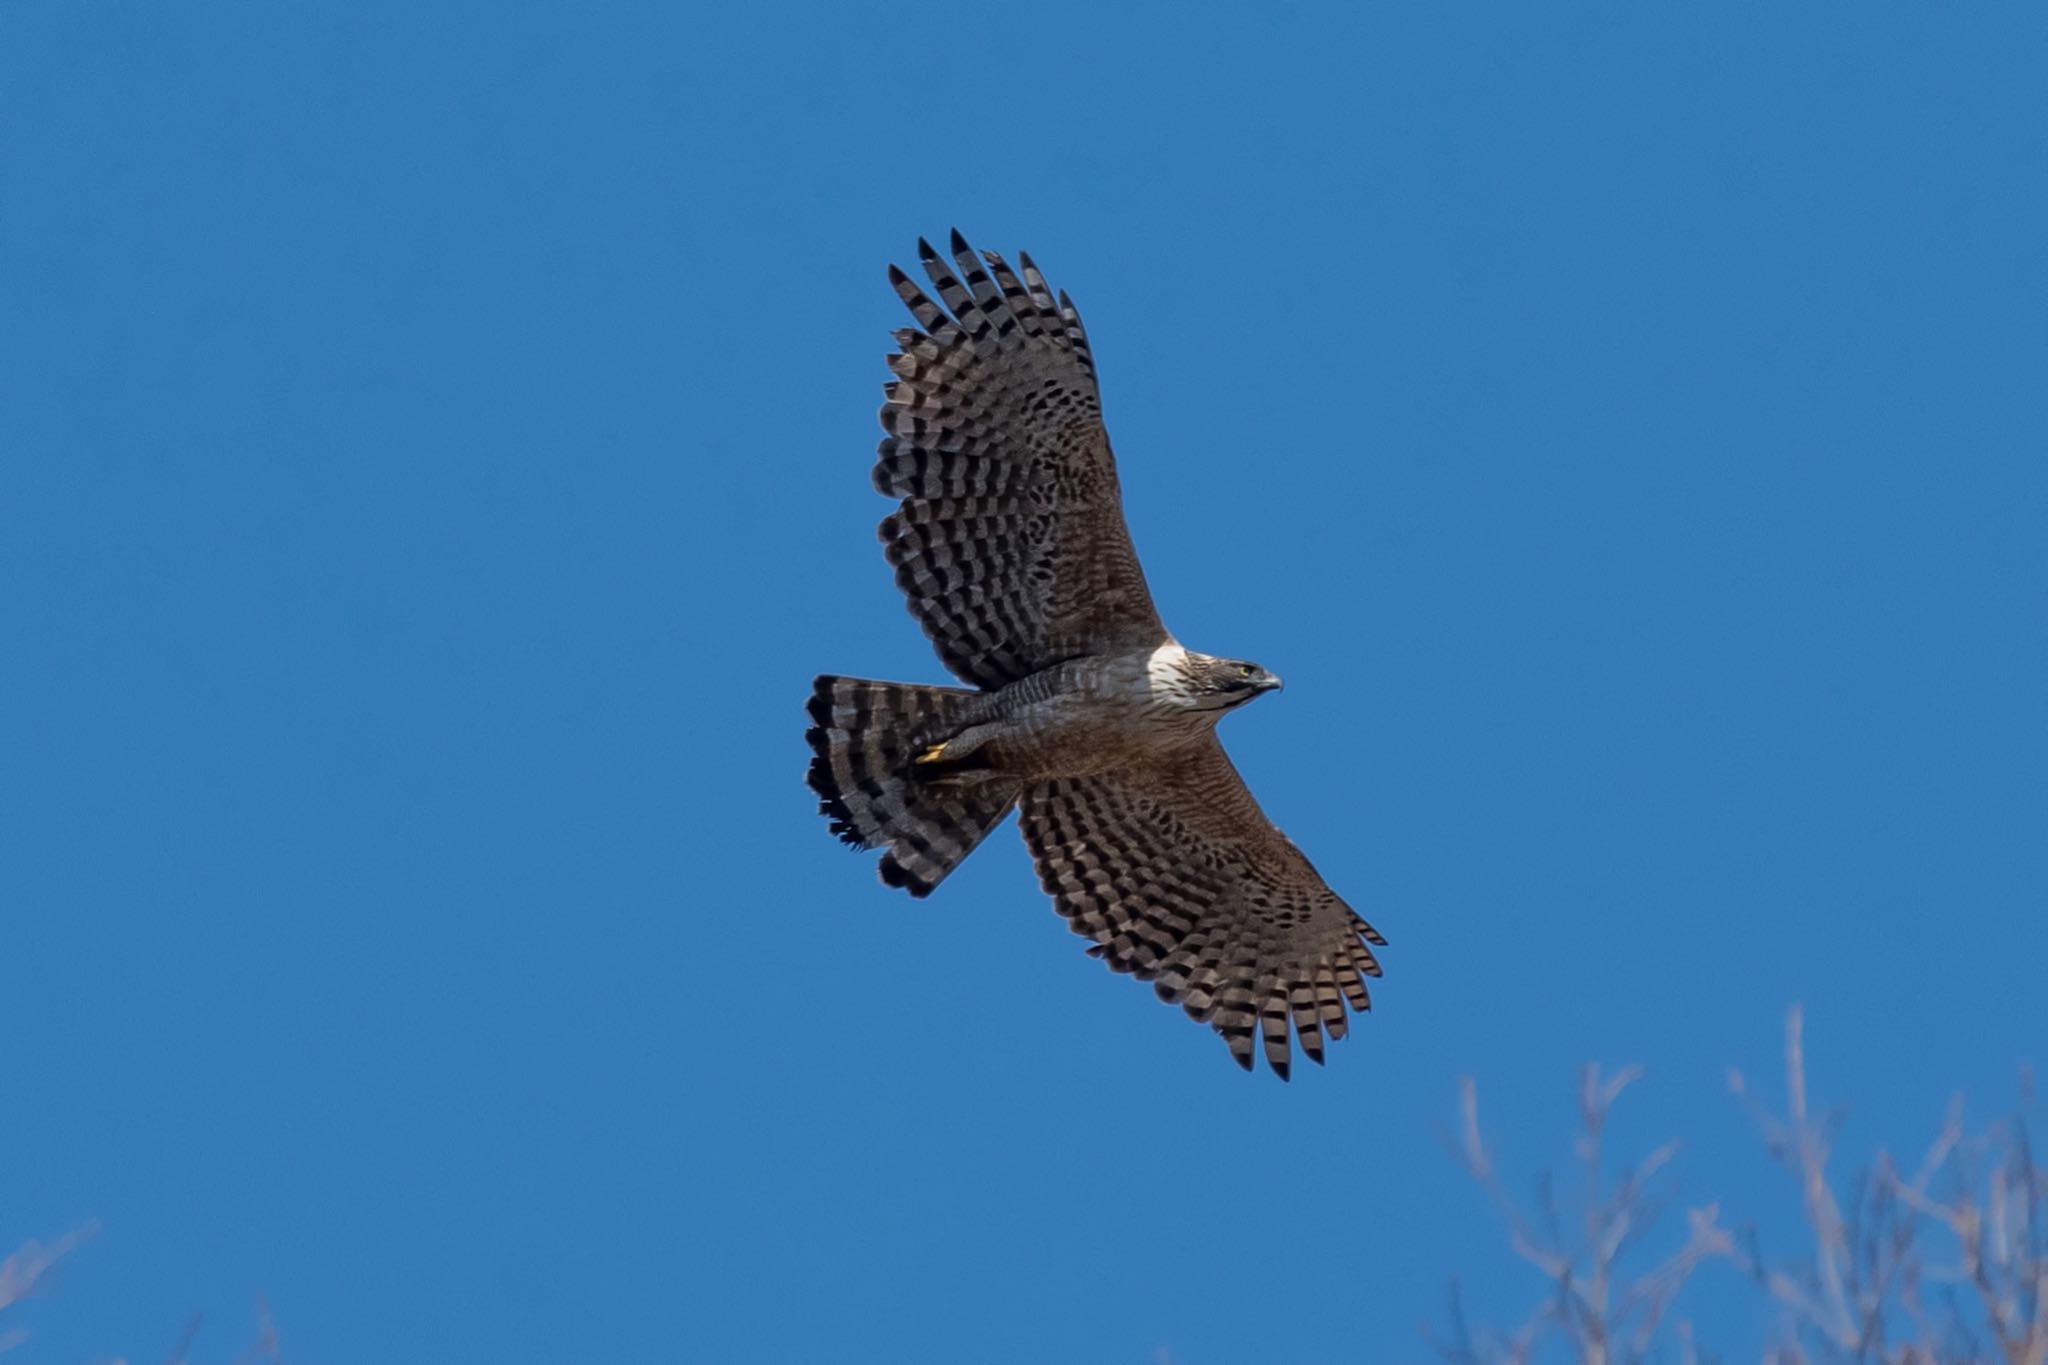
<point x="1244" y="670"/>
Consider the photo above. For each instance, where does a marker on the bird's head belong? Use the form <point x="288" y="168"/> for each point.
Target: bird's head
<point x="1224" y="684"/>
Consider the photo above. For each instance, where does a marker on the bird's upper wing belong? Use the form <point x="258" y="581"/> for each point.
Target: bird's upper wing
<point x="1010" y="543"/>
<point x="1181" y="880"/>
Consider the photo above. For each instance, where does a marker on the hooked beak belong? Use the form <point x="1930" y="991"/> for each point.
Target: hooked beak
<point x="1270" y="682"/>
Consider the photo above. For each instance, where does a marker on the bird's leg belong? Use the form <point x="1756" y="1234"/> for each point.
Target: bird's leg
<point x="958" y="754"/>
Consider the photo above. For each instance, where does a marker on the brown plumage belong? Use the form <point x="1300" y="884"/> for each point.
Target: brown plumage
<point x="1010" y="546"/>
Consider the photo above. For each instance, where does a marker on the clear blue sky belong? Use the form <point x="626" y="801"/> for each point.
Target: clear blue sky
<point x="433" y="462"/>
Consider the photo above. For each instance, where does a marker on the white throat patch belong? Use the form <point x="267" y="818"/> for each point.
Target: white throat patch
<point x="1166" y="675"/>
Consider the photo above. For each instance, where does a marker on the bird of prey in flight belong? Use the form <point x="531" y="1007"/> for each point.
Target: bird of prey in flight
<point x="1081" y="710"/>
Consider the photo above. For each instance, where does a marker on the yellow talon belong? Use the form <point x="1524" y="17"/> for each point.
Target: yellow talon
<point x="931" y="755"/>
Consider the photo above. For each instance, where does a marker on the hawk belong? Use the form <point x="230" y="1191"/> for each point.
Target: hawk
<point x="1081" y="710"/>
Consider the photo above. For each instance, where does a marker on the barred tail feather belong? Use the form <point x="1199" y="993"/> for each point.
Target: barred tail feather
<point x="864" y="738"/>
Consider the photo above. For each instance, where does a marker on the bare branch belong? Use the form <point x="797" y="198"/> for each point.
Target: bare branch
<point x="26" y="1268"/>
<point x="1594" y="1309"/>
<point x="1947" y="1266"/>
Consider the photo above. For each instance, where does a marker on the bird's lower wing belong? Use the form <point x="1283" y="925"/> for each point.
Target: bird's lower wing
<point x="1181" y="880"/>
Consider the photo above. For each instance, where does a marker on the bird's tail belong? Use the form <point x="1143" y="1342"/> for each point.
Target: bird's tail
<point x="866" y="738"/>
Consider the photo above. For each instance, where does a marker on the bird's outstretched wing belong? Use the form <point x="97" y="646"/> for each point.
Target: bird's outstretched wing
<point x="1010" y="543"/>
<point x="1181" y="880"/>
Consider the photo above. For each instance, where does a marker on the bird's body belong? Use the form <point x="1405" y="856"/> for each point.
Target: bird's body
<point x="1081" y="717"/>
<point x="1083" y="712"/>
